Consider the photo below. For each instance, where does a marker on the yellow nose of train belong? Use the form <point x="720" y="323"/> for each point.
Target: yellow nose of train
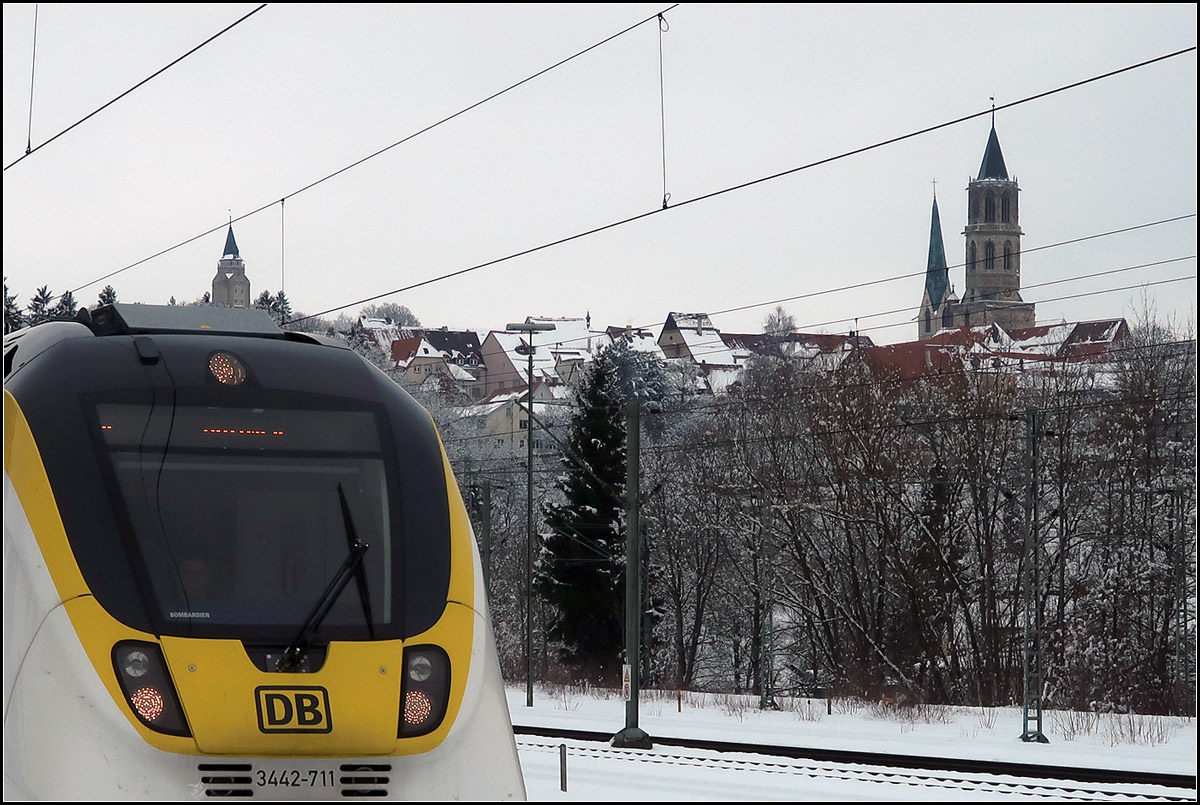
<point x="243" y="568"/>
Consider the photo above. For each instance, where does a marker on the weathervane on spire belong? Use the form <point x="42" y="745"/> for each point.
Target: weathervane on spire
<point x="935" y="189"/>
<point x="992" y="98"/>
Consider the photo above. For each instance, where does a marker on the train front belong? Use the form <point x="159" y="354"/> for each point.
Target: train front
<point x="236" y="563"/>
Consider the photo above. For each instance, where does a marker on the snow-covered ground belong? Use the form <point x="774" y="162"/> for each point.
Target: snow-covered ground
<point x="1140" y="743"/>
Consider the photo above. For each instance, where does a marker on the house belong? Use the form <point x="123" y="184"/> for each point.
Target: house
<point x="506" y="354"/>
<point x="420" y="354"/>
<point x="992" y="348"/>
<point x="506" y="422"/>
<point x="418" y="361"/>
<point x="692" y="336"/>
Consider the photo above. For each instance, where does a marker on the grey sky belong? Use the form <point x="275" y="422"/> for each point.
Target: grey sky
<point x="299" y="91"/>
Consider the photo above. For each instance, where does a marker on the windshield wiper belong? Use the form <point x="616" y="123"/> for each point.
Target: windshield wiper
<point x="292" y="656"/>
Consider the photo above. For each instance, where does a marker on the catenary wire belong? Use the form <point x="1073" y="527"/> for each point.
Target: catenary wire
<point x="646" y="358"/>
<point x="29" y="151"/>
<point x="718" y="341"/>
<point x="32" y="73"/>
<point x="627" y="220"/>
<point x="381" y="151"/>
<point x="750" y="183"/>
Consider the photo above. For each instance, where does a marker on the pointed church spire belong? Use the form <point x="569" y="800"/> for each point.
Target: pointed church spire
<point x="231" y="249"/>
<point x="937" y="275"/>
<point x="992" y="166"/>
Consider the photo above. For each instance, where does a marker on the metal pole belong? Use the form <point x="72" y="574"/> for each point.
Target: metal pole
<point x="766" y="699"/>
<point x="632" y="736"/>
<point x="529" y="327"/>
<point x="1033" y="610"/>
<point x="486" y="528"/>
<point x="529" y="534"/>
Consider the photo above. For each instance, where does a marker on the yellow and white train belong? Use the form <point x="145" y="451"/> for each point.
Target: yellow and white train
<point x="236" y="563"/>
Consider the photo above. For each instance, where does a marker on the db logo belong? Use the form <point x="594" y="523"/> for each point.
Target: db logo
<point x="303" y="709"/>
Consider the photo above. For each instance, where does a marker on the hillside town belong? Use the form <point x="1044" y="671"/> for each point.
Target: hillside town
<point x="898" y="513"/>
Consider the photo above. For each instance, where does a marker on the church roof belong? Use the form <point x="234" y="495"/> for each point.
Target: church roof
<point x="231" y="249"/>
<point x="992" y="166"/>
<point x="937" y="275"/>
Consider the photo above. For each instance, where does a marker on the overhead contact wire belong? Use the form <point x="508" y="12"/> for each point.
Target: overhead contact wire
<point x="29" y="151"/>
<point x="32" y="72"/>
<point x="663" y="27"/>
<point x="358" y="162"/>
<point x="750" y="183"/>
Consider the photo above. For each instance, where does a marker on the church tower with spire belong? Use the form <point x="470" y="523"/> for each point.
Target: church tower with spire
<point x="993" y="246"/>
<point x="939" y="302"/>
<point x="231" y="287"/>
<point x="992" y="291"/>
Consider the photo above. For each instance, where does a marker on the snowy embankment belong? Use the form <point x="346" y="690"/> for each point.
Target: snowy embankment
<point x="1163" y="744"/>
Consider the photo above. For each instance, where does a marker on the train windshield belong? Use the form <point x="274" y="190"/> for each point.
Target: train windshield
<point x="237" y="518"/>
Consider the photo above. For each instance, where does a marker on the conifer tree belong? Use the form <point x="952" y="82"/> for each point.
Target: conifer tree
<point x="65" y="308"/>
<point x="40" y="307"/>
<point x="581" y="571"/>
<point x="13" y="319"/>
<point x="282" y="309"/>
<point x="264" y="301"/>
<point x="107" y="296"/>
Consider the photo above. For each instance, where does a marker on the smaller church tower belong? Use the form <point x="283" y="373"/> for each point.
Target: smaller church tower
<point x="231" y="287"/>
<point x="938" y="303"/>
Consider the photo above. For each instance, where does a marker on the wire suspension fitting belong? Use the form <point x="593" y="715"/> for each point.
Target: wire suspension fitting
<point x="663" y="27"/>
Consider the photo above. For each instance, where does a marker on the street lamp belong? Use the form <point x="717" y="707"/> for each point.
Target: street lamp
<point x="530" y="327"/>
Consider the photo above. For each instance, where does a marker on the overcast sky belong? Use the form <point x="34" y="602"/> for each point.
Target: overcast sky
<point x="299" y="91"/>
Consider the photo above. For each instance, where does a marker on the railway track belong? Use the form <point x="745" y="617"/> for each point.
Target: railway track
<point x="1033" y="780"/>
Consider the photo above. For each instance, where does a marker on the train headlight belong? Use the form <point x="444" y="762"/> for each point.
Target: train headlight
<point x="420" y="668"/>
<point x="136" y="663"/>
<point x="142" y="672"/>
<point x="425" y="692"/>
<point x="226" y="368"/>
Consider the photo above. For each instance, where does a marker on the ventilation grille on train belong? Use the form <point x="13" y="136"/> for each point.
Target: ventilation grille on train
<point x="237" y="779"/>
<point x="363" y="780"/>
<point x="227" y="779"/>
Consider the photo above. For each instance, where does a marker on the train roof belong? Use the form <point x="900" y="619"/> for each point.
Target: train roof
<point x="123" y="319"/>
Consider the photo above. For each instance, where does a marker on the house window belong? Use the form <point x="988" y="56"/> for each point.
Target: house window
<point x="989" y="255"/>
<point x="1007" y="256"/>
<point x="971" y="257"/>
<point x="989" y="209"/>
<point x="524" y="424"/>
<point x="1004" y="209"/>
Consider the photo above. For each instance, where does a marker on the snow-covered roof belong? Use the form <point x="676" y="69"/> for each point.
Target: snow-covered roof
<point x="639" y="340"/>
<point x="570" y="340"/>
<point x="569" y="334"/>
<point x="382" y="333"/>
<point x="703" y="341"/>
<point x="513" y="344"/>
<point x="721" y="378"/>
<point x="406" y="349"/>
